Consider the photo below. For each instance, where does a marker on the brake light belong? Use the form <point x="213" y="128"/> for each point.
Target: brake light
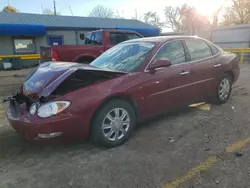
<point x="54" y="55"/>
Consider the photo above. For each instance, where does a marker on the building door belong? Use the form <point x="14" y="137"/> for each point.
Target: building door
<point x="55" y="40"/>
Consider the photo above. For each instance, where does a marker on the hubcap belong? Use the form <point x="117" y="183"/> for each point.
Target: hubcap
<point x="116" y="124"/>
<point x="224" y="88"/>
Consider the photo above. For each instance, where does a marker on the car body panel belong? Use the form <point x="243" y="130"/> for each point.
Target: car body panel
<point x="48" y="76"/>
<point x="149" y="91"/>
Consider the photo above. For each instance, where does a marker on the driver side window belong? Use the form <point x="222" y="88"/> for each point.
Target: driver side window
<point x="173" y="51"/>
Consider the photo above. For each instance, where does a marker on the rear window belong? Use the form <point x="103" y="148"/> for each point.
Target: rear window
<point x="133" y="36"/>
<point x="213" y="49"/>
<point x="198" y="49"/>
<point x="94" y="38"/>
<point x="117" y="37"/>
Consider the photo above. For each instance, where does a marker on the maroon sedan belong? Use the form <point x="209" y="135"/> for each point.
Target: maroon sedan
<point x="130" y="82"/>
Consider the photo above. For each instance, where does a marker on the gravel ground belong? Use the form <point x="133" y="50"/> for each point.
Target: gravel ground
<point x="159" y="151"/>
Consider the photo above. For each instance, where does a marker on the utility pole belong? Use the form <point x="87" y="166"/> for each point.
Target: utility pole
<point x="136" y="15"/>
<point x="55" y="8"/>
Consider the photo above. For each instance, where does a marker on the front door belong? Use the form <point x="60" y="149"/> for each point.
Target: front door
<point x="170" y="86"/>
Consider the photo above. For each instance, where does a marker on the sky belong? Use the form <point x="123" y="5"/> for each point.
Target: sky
<point x="126" y="8"/>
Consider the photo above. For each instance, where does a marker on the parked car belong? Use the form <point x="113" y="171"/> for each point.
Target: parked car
<point x="96" y="43"/>
<point x="130" y="82"/>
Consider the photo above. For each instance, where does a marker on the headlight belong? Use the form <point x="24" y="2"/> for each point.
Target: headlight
<point x="52" y="108"/>
<point x="33" y="109"/>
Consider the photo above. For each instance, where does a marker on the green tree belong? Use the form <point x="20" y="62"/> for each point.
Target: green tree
<point x="153" y="19"/>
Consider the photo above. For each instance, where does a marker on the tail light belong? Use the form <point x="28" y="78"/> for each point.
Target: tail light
<point x="54" y="55"/>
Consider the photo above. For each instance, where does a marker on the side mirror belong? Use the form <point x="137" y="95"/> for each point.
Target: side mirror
<point x="159" y="63"/>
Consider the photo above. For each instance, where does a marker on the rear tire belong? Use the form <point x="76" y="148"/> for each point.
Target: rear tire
<point x="113" y="123"/>
<point x="223" y="89"/>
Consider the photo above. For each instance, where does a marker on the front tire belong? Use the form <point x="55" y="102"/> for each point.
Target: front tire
<point x="113" y="124"/>
<point x="223" y="89"/>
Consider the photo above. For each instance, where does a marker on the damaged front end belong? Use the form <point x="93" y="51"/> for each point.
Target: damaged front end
<point x="51" y="80"/>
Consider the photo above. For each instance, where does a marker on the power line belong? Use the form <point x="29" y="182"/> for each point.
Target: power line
<point x="71" y="11"/>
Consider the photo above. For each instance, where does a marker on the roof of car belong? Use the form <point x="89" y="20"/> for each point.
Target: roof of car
<point x="162" y="38"/>
<point x="115" y="30"/>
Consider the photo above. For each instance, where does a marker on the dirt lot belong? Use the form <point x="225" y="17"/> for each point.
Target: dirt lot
<point x="190" y="148"/>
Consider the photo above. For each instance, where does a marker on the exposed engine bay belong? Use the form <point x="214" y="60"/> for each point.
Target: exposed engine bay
<point x="46" y="83"/>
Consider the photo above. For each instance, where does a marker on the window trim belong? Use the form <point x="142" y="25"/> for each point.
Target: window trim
<point x="146" y="68"/>
<point x="190" y="53"/>
<point x="184" y="50"/>
<point x="134" y="34"/>
<point x="30" y="38"/>
<point x="188" y="62"/>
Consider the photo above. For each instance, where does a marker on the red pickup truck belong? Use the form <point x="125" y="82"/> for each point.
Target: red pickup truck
<point x="96" y="43"/>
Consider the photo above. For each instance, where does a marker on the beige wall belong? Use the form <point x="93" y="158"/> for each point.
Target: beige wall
<point x="68" y="36"/>
<point x="40" y="41"/>
<point x="6" y="45"/>
<point x="81" y="42"/>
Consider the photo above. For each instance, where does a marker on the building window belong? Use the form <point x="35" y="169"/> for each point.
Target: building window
<point x="24" y="45"/>
<point x="82" y="36"/>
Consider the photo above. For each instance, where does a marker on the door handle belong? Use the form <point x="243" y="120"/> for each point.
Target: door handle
<point x="184" y="73"/>
<point x="217" y="65"/>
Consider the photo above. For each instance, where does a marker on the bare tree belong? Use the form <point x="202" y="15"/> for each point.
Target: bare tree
<point x="153" y="19"/>
<point x="237" y="13"/>
<point x="185" y="19"/>
<point x="102" y="12"/>
<point x="50" y="12"/>
<point x="9" y="9"/>
<point x="216" y="15"/>
<point x="137" y="16"/>
<point x="174" y="18"/>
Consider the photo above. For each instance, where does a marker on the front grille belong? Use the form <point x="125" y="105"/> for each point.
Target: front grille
<point x="15" y="108"/>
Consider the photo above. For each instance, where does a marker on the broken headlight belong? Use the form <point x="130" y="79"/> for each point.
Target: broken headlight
<point x="33" y="109"/>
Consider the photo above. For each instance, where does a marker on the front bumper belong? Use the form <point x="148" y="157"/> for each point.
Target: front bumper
<point x="35" y="128"/>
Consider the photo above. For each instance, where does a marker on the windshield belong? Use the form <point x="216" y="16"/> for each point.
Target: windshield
<point x="126" y="57"/>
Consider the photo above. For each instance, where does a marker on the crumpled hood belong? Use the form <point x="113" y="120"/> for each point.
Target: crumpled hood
<point x="43" y="80"/>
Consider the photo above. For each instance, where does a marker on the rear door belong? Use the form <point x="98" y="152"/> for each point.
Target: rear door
<point x="201" y="61"/>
